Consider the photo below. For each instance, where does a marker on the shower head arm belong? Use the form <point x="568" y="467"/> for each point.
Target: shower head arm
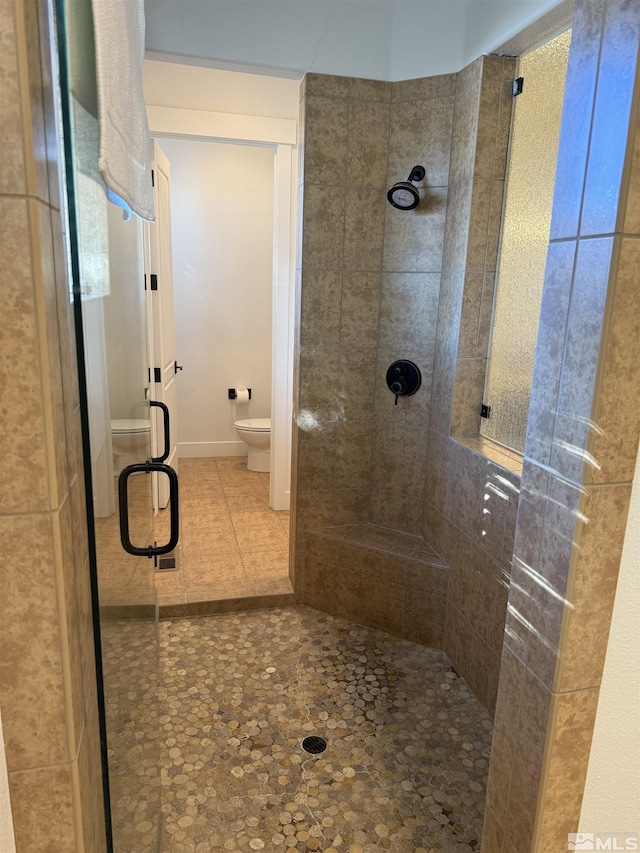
<point x="417" y="174"/>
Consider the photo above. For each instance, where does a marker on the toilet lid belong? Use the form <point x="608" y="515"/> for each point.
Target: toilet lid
<point x="255" y="424"/>
<point x="130" y="425"/>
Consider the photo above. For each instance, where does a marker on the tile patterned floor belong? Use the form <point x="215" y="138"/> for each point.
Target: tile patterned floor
<point x="232" y="544"/>
<point x="408" y="744"/>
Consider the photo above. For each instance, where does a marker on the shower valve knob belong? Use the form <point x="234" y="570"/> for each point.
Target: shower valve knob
<point x="403" y="378"/>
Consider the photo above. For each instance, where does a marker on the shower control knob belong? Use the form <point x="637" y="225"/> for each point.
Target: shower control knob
<point x="403" y="378"/>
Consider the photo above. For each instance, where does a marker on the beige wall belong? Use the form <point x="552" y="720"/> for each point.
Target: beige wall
<point x="47" y="683"/>
<point x="222" y="203"/>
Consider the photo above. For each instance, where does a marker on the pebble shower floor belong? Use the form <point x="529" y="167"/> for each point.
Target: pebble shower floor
<point x="407" y="743"/>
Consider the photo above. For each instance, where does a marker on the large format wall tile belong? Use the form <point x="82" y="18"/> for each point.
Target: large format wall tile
<point x="41" y="224"/>
<point x="611" y="119"/>
<point x="632" y="214"/>
<point x="320" y="308"/>
<point x="33" y="106"/>
<point x="408" y="311"/>
<point x="590" y="594"/>
<point x="368" y="144"/>
<point x="35" y="731"/>
<point x="363" y="229"/>
<point x="89" y="779"/>
<point x="359" y="309"/>
<point x="397" y="510"/>
<point x="613" y="444"/>
<point x="421" y="135"/>
<point x="577" y="113"/>
<point x="456" y="234"/>
<point x="465" y="123"/>
<point x="370" y="90"/>
<point x="323" y="230"/>
<point x="549" y="351"/>
<point x="399" y="454"/>
<point x="353" y="447"/>
<point x="318" y="386"/>
<point x="570" y="731"/>
<point x="505" y="735"/>
<point x="470" y="654"/>
<point x="448" y="328"/>
<point x="413" y="239"/>
<point x="586" y="316"/>
<point x="325" y="140"/>
<point x="42" y="809"/>
<point x="25" y="485"/>
<point x="12" y="172"/>
<point x="439" y="86"/>
<point x="530" y="740"/>
<point x="356" y="382"/>
<point x="326" y="85"/>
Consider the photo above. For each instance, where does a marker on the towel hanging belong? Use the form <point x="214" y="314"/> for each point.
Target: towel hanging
<point x="125" y="147"/>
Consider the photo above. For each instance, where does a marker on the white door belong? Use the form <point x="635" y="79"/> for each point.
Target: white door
<point x="164" y="367"/>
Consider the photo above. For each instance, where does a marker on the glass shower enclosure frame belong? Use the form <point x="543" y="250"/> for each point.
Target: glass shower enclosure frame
<point x="105" y="253"/>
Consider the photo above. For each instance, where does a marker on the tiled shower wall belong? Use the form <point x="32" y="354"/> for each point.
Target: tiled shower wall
<point x="580" y="448"/>
<point x="344" y="169"/>
<point x="377" y="284"/>
<point x="47" y="679"/>
<point x="471" y="491"/>
<point x="421" y="124"/>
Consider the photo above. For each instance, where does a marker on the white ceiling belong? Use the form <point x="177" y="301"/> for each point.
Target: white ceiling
<point x="379" y="39"/>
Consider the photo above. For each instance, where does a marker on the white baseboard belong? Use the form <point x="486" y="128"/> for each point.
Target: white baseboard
<point x="194" y="449"/>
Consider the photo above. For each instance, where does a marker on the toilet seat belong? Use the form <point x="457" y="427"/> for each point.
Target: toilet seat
<point x="254" y="425"/>
<point x="130" y="425"/>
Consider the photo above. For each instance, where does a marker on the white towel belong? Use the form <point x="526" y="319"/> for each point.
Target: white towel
<point x="125" y="148"/>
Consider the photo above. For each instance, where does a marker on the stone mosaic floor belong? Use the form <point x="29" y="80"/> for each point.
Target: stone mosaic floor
<point x="407" y="743"/>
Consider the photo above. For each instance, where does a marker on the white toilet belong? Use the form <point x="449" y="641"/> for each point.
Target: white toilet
<point x="130" y="442"/>
<point x="256" y="434"/>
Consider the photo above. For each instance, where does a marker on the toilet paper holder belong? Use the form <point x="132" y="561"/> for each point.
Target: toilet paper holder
<point x="233" y="393"/>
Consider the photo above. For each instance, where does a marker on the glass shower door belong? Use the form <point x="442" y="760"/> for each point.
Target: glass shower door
<point x="106" y="257"/>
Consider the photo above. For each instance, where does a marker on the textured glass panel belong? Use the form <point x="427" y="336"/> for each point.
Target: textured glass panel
<point x="525" y="237"/>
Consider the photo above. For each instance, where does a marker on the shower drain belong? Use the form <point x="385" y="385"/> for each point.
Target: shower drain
<point x="314" y="744"/>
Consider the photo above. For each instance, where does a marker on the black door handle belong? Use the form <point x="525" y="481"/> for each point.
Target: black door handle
<point x="123" y="504"/>
<point x="167" y="433"/>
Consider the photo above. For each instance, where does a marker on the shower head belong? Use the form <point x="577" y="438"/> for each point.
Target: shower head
<point x="404" y="195"/>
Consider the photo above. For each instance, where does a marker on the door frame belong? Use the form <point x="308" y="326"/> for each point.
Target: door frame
<point x="281" y="136"/>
